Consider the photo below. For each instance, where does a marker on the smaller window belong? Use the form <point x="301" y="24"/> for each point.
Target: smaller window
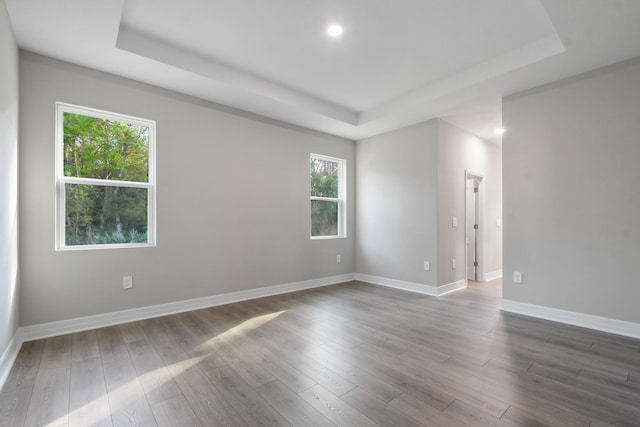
<point x="328" y="191"/>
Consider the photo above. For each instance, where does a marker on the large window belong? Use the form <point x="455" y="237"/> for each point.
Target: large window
<point x="328" y="207"/>
<point x="105" y="179"/>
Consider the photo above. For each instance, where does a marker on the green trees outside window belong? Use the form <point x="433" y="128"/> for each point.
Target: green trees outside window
<point x="326" y="196"/>
<point x="104" y="185"/>
<point x="99" y="215"/>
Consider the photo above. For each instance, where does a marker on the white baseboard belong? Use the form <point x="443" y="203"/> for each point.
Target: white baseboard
<point x="604" y="324"/>
<point x="7" y="359"/>
<point x="452" y="287"/>
<point x="46" y="330"/>
<point x="412" y="287"/>
<point x="493" y="275"/>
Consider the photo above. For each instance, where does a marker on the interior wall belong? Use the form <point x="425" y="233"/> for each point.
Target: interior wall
<point x="396" y="204"/>
<point x="8" y="181"/>
<point x="571" y="198"/>
<point x="232" y="201"/>
<point x="459" y="151"/>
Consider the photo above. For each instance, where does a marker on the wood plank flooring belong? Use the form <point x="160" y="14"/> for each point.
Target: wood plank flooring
<point x="345" y="355"/>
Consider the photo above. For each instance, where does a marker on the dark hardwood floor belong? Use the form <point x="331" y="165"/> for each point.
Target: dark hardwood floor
<point x="346" y="355"/>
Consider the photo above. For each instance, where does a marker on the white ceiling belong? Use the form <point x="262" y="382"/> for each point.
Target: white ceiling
<point x="398" y="62"/>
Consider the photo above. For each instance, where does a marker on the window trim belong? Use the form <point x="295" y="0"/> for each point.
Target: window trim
<point x="341" y="199"/>
<point x="61" y="179"/>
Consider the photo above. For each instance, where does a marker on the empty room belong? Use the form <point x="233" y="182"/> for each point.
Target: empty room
<point x="356" y="212"/>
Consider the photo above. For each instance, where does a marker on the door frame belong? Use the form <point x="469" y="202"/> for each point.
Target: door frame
<point x="471" y="174"/>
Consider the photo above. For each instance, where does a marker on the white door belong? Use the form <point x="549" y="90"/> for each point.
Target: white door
<point x="470" y="228"/>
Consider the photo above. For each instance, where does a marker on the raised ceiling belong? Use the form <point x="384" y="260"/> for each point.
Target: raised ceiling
<point x="397" y="63"/>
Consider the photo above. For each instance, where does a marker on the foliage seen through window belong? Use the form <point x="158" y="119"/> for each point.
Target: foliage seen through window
<point x="326" y="197"/>
<point x="106" y="180"/>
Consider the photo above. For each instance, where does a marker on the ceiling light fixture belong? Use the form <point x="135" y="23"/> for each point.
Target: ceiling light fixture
<point x="334" y="30"/>
<point x="499" y="131"/>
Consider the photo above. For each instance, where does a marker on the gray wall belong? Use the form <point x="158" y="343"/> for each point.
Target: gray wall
<point x="571" y="198"/>
<point x="459" y="151"/>
<point x="410" y="183"/>
<point x="232" y="197"/>
<point x="8" y="181"/>
<point x="396" y="204"/>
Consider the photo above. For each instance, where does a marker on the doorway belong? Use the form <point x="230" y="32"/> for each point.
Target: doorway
<point x="473" y="227"/>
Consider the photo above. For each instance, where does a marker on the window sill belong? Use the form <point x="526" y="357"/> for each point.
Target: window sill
<point x="327" y="237"/>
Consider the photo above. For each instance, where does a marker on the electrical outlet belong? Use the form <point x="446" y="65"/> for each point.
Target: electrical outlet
<point x="454" y="222"/>
<point x="453" y="264"/>
<point x="517" y="277"/>
<point x="127" y="282"/>
<point x="338" y="259"/>
<point x="427" y="266"/>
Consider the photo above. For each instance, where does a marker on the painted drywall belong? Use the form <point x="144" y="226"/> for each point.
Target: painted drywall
<point x="459" y="151"/>
<point x="396" y="204"/>
<point x="571" y="198"/>
<point x="9" y="276"/>
<point x="232" y="201"/>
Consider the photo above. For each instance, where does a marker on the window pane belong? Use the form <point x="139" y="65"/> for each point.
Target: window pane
<point x="105" y="149"/>
<point x="324" y="218"/>
<point x="100" y="215"/>
<point x="324" y="178"/>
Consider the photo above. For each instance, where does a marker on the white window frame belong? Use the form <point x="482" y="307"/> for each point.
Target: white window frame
<point x="61" y="179"/>
<point x="341" y="199"/>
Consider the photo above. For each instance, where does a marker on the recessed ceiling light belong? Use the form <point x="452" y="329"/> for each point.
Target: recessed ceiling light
<point x="498" y="131"/>
<point x="334" y="30"/>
